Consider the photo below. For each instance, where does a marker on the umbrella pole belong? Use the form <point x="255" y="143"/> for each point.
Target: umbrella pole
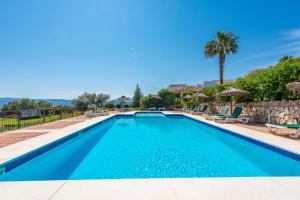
<point x="231" y="105"/>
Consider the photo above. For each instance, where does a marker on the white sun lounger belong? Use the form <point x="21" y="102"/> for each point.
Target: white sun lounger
<point x="97" y="113"/>
<point x="273" y="129"/>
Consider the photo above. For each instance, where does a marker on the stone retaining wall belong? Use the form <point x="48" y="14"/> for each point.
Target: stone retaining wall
<point x="261" y="112"/>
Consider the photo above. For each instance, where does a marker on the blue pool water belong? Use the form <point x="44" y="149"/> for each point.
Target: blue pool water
<point x="153" y="146"/>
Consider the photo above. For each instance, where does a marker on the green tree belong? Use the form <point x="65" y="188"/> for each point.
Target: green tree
<point x="270" y="83"/>
<point x="167" y="97"/>
<point x="82" y="102"/>
<point x="109" y="105"/>
<point x="147" y="101"/>
<point x="44" y="104"/>
<point x="137" y="96"/>
<point x="21" y="104"/>
<point x="11" y="106"/>
<point x="26" y="103"/>
<point x="284" y="58"/>
<point x="187" y="92"/>
<point x="89" y="101"/>
<point x="225" y="43"/>
<point x="101" y="98"/>
<point x="92" y="98"/>
<point x="178" y="102"/>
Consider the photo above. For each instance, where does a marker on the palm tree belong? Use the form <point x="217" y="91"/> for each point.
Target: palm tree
<point x="225" y="43"/>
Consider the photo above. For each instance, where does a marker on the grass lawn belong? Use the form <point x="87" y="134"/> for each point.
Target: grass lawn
<point x="14" y="123"/>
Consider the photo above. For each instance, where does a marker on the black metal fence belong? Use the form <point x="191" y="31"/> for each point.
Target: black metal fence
<point x="24" y="118"/>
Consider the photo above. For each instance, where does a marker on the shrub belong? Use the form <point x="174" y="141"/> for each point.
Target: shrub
<point x="178" y="103"/>
<point x="270" y="83"/>
<point x="89" y="100"/>
<point x="147" y="101"/>
<point x="167" y="97"/>
<point x="263" y="84"/>
<point x="25" y="103"/>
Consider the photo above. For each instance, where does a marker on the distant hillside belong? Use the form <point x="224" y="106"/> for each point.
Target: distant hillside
<point x="118" y="101"/>
<point x="55" y="102"/>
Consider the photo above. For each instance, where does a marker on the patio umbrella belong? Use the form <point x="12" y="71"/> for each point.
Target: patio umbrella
<point x="187" y="97"/>
<point x="201" y="95"/>
<point x="294" y="86"/>
<point x="230" y="92"/>
<point x="123" y="99"/>
<point x="156" y="97"/>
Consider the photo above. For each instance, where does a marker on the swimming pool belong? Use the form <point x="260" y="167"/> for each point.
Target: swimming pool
<point x="151" y="145"/>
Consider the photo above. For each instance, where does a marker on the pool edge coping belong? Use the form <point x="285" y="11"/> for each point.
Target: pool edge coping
<point x="83" y="126"/>
<point x="252" y="134"/>
<point x="252" y="139"/>
<point x="47" y="139"/>
<point x="170" y="188"/>
<point x="233" y="188"/>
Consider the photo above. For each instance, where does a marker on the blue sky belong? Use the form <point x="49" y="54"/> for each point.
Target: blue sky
<point x="61" y="48"/>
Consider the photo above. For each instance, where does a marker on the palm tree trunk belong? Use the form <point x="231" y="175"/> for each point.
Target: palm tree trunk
<point x="221" y="64"/>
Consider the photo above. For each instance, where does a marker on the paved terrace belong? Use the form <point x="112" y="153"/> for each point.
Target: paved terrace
<point x="171" y="188"/>
<point x="11" y="137"/>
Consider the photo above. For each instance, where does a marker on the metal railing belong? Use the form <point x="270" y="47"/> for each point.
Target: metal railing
<point x="14" y="120"/>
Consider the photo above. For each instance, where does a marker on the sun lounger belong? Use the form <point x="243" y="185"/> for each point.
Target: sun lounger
<point x="161" y="109"/>
<point x="223" y="112"/>
<point x="244" y="119"/>
<point x="97" y="113"/>
<point x="193" y="109"/>
<point x="273" y="128"/>
<point x="184" y="109"/>
<point x="201" y="109"/>
<point x="152" y="109"/>
<point x="234" y="117"/>
<point x="126" y="109"/>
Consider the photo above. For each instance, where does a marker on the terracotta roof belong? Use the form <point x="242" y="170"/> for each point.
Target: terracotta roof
<point x="192" y="88"/>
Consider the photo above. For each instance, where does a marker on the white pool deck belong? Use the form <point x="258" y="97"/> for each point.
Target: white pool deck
<point x="170" y="188"/>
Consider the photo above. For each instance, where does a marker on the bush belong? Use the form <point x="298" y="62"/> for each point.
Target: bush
<point x="62" y="109"/>
<point x="167" y="97"/>
<point x="25" y="103"/>
<point x="263" y="84"/>
<point x="90" y="100"/>
<point x="44" y="104"/>
<point x="212" y="92"/>
<point x="147" y="101"/>
<point x="270" y="83"/>
<point x="109" y="105"/>
<point x="178" y="103"/>
<point x="81" y="103"/>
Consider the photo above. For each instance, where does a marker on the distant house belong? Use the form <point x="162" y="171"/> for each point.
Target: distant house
<point x="207" y="84"/>
<point x="178" y="88"/>
<point x="194" y="88"/>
